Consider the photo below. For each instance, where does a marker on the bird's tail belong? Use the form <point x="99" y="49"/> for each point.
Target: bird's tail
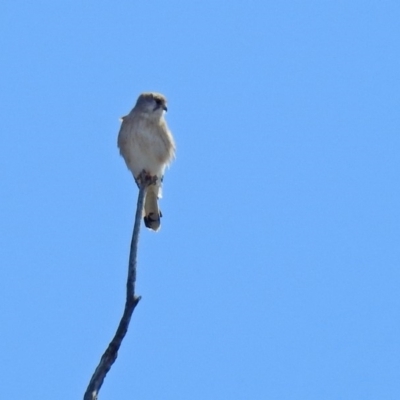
<point x="152" y="214"/>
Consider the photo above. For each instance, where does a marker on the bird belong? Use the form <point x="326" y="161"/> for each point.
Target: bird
<point x="148" y="147"/>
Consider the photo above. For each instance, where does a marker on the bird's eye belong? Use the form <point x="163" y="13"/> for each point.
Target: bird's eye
<point x="158" y="101"/>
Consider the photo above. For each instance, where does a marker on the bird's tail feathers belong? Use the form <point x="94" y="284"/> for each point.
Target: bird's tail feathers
<point x="152" y="214"/>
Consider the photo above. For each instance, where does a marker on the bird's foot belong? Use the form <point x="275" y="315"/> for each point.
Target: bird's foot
<point x="145" y="179"/>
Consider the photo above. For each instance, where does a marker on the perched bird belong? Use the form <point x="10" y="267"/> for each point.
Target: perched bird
<point x="147" y="145"/>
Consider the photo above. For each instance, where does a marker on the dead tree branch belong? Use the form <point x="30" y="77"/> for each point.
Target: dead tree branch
<point x="111" y="354"/>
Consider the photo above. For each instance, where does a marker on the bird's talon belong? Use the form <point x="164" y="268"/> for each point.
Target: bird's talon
<point x="145" y="179"/>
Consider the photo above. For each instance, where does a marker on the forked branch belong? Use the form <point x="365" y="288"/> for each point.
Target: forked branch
<point x="111" y="353"/>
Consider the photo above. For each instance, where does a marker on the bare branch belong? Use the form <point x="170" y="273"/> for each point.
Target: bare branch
<point x="111" y="354"/>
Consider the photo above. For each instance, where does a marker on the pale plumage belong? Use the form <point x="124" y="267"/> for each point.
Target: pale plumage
<point x="146" y="143"/>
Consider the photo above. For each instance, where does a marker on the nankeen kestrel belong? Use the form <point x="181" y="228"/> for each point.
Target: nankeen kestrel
<point x="148" y="147"/>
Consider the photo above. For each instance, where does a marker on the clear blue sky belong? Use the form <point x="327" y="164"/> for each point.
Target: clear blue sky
<point x="276" y="272"/>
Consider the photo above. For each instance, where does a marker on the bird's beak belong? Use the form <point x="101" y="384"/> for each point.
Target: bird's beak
<point x="165" y="108"/>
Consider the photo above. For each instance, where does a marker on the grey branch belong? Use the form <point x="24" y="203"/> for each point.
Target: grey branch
<point x="111" y="354"/>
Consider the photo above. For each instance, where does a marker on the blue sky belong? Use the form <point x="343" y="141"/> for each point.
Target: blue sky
<point x="276" y="272"/>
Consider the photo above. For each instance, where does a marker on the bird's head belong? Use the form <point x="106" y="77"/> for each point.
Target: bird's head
<point x="153" y="104"/>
